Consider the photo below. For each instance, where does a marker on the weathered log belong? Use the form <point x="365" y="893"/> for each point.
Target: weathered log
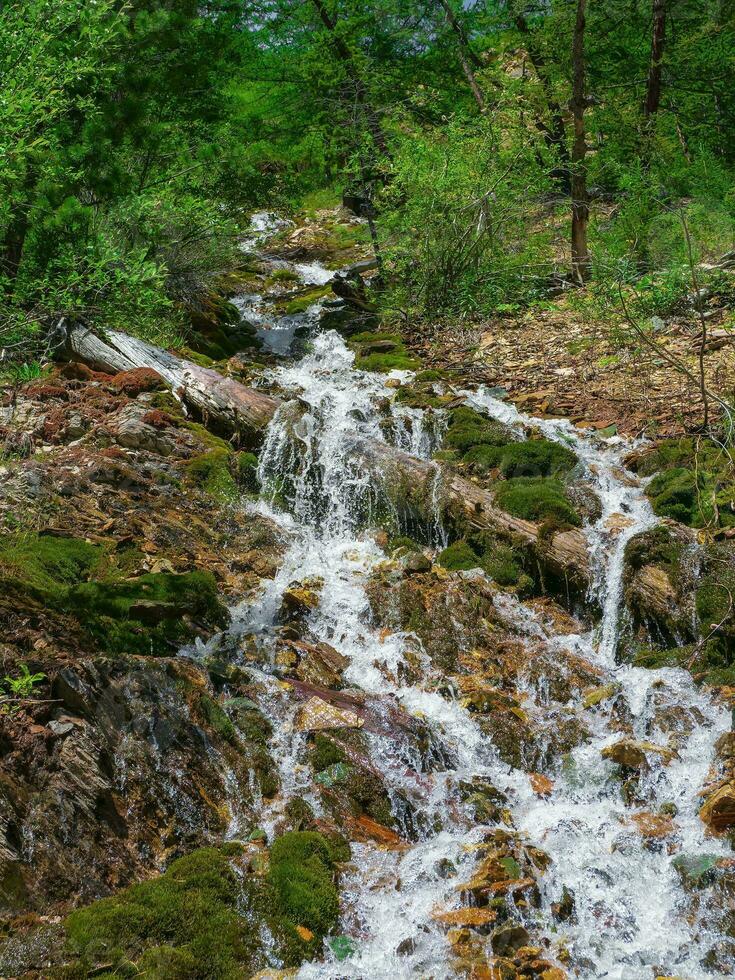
<point x="227" y="403"/>
<point x="236" y="408"/>
<point x="566" y="551"/>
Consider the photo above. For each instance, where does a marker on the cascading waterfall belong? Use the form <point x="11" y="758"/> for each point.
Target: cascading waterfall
<point x="630" y="921"/>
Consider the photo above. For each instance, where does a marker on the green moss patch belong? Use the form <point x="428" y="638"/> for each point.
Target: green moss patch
<point x="151" y="614"/>
<point x="501" y="561"/>
<point x="695" y="482"/>
<point x="147" y="614"/>
<point x="468" y="428"/>
<point x="301" y="303"/>
<point x="186" y="923"/>
<point x="42" y="565"/>
<point x="303" y="878"/>
<point x="536" y="499"/>
<point x="459" y="557"/>
<point x="381" y="352"/>
<point x="211" y="472"/>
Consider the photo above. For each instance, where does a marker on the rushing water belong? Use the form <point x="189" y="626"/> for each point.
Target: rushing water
<point x="630" y="909"/>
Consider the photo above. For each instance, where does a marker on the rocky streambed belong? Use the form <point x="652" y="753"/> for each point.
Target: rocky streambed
<point x="298" y="713"/>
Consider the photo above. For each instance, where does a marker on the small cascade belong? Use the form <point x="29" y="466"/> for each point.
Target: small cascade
<point x="630" y="916"/>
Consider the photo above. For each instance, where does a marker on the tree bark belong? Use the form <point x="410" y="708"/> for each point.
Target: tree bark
<point x="229" y="405"/>
<point x="467" y="57"/>
<point x="658" y="41"/>
<point x="246" y="412"/>
<point x="580" y="198"/>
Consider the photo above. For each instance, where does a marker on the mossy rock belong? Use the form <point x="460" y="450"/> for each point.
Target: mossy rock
<point x="121" y="613"/>
<point x="150" y="614"/>
<point x="459" y="557"/>
<point x="246" y="470"/>
<point x="714" y="604"/>
<point x="217" y="718"/>
<point x="536" y="499"/>
<point x="210" y="472"/>
<point x="187" y="922"/>
<point x="468" y="428"/>
<point x="302" y="876"/>
<point x="381" y="352"/>
<point x="695" y="482"/>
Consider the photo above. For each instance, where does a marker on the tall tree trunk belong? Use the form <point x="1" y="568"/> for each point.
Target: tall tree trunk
<point x="467" y="57"/>
<point x="580" y="198"/>
<point x="372" y="119"/>
<point x="554" y="134"/>
<point x="658" y="42"/>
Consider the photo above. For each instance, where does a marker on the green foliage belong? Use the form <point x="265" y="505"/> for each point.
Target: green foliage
<point x="536" y="499"/>
<point x="113" y="139"/>
<point x="186" y="923"/>
<point x="18" y="688"/>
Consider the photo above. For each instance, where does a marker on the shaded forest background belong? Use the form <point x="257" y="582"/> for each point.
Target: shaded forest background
<point x="502" y="151"/>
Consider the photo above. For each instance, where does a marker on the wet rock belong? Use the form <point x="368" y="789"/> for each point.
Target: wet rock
<point x="318" y="715"/>
<point x="540" y="784"/>
<point x="565" y="909"/>
<point x="599" y="694"/>
<point x="696" y="870"/>
<point x="659" y="582"/>
<point x="319" y="664"/>
<point x="509" y="937"/>
<point x="415" y="563"/>
<point x="475" y="918"/>
<point x="300" y="598"/>
<point x="653" y="826"/>
<point x="634" y="754"/>
<point x="718" y="811"/>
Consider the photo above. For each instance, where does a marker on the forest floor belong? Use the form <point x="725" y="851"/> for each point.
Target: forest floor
<point x="562" y="361"/>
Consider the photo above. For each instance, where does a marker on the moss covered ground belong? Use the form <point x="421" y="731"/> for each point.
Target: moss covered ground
<point x="147" y="614"/>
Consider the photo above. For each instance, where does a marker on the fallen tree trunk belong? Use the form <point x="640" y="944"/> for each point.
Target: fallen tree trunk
<point x="566" y="550"/>
<point x="235" y="408"/>
<point x="224" y="401"/>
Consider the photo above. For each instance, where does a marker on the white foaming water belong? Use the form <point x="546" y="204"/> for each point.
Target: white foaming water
<point x="630" y="921"/>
